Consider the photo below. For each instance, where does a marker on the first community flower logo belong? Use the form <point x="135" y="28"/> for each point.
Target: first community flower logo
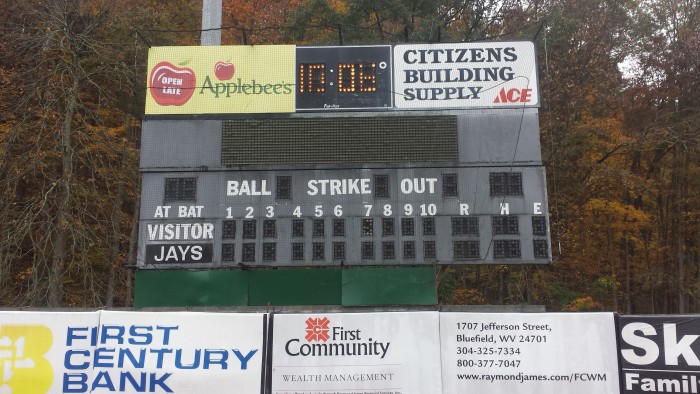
<point x="317" y="329"/>
<point x="325" y="341"/>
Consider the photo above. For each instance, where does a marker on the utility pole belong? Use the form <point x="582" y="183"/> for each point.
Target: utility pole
<point x="211" y="22"/>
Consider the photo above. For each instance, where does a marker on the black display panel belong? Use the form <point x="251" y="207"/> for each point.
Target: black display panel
<point x="173" y="253"/>
<point x="376" y="139"/>
<point x="355" y="188"/>
<point x="351" y="216"/>
<point x="343" y="78"/>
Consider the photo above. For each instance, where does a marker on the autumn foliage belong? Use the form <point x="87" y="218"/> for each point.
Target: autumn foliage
<point x="620" y="121"/>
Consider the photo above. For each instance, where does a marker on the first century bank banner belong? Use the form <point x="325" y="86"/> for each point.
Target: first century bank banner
<point x="130" y="352"/>
<point x="220" y="79"/>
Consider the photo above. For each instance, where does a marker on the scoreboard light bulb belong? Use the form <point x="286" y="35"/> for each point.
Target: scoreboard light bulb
<point x="301" y="78"/>
<point x="307" y="73"/>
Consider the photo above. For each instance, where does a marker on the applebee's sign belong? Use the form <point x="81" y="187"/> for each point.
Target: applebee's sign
<point x="172" y="85"/>
<point x="224" y="70"/>
<point x="220" y="80"/>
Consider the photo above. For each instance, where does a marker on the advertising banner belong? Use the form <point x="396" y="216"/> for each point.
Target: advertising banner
<point x="528" y="353"/>
<point x="220" y="80"/>
<point x="659" y="354"/>
<point x="380" y="353"/>
<point x="465" y="75"/>
<point x="103" y="352"/>
<point x="36" y="351"/>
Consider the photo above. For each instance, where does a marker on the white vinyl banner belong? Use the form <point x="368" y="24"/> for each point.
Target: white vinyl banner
<point x="529" y="353"/>
<point x="351" y="353"/>
<point x="130" y="352"/>
<point x="466" y="75"/>
<point x="34" y="357"/>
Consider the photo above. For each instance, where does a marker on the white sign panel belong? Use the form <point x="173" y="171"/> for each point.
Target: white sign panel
<point x="350" y="353"/>
<point x="529" y="353"/>
<point x="34" y="357"/>
<point x="466" y="75"/>
<point x="185" y="352"/>
<point x="104" y="352"/>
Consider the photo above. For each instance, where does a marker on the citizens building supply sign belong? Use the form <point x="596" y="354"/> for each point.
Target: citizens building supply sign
<point x="465" y="75"/>
<point x="394" y="353"/>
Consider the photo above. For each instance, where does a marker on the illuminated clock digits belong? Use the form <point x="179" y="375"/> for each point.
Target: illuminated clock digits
<point x="354" y="77"/>
<point x="312" y="78"/>
<point x="368" y="77"/>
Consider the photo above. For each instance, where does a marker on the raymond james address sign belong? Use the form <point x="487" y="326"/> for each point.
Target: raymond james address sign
<point x="358" y="155"/>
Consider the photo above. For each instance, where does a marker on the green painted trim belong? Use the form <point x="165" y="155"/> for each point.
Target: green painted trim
<point x="312" y="286"/>
<point x="389" y="286"/>
<point x="354" y="286"/>
<point x="190" y="288"/>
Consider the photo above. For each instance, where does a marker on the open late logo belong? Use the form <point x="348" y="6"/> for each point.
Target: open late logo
<point x="172" y="85"/>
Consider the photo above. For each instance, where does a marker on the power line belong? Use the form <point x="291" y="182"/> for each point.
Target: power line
<point x="339" y="27"/>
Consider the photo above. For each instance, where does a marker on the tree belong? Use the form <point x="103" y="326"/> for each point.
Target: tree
<point x="664" y="110"/>
<point x="64" y="153"/>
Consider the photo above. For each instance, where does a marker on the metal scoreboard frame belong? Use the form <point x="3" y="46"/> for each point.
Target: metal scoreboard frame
<point x="390" y="155"/>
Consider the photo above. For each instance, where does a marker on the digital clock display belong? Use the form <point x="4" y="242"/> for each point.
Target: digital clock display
<point x="343" y="78"/>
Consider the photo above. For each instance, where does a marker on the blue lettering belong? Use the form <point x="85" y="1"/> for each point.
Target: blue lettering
<point x="160" y="353"/>
<point x="160" y="382"/>
<point x="136" y="363"/>
<point x="244" y="360"/>
<point x="147" y="337"/>
<point x="195" y="362"/>
<point x="210" y="359"/>
<point x="72" y="334"/>
<point x="102" y="375"/>
<point x="139" y="387"/>
<point x="75" y="383"/>
<point x="103" y="356"/>
<point x="68" y="357"/>
<point x="166" y="333"/>
<point x="118" y="336"/>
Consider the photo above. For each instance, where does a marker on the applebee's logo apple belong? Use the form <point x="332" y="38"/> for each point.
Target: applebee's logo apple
<point x="172" y="85"/>
<point x="224" y="70"/>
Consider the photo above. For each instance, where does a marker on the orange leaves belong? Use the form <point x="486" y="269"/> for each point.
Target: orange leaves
<point x="339" y="6"/>
<point x="255" y="21"/>
<point x="618" y="215"/>
<point x="583" y="304"/>
<point x="468" y="297"/>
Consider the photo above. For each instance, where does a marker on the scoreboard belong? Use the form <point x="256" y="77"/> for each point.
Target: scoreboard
<point x="387" y="155"/>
